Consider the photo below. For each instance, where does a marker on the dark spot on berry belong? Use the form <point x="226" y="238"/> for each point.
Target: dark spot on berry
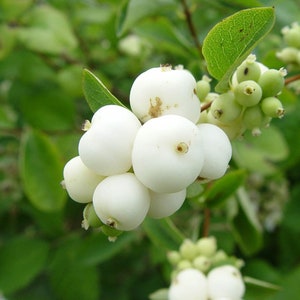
<point x="246" y="71"/>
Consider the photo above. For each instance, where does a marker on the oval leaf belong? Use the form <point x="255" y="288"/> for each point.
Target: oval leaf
<point x="231" y="41"/>
<point x="96" y="93"/>
<point x="21" y="260"/>
<point x="41" y="172"/>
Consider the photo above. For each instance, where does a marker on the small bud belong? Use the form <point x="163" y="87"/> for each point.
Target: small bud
<point x="188" y="250"/>
<point x="207" y="246"/>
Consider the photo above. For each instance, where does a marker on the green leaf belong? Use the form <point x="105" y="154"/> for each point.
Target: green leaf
<point x="244" y="224"/>
<point x="163" y="233"/>
<point x="41" y="172"/>
<point x="260" y="153"/>
<point x="47" y="31"/>
<point x="134" y="11"/>
<point x="220" y="190"/>
<point x="231" y="41"/>
<point x="21" y="260"/>
<point x="96" y="93"/>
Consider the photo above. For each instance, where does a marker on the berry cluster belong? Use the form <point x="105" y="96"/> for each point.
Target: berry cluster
<point x="203" y="272"/>
<point x="291" y="53"/>
<point x="250" y="103"/>
<point x="139" y="162"/>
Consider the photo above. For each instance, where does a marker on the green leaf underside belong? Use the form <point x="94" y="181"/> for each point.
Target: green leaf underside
<point x="232" y="40"/>
<point x="223" y="188"/>
<point x="41" y="172"/>
<point x="95" y="92"/>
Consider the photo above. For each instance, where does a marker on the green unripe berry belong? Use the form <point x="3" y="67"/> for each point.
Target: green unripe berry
<point x="253" y="118"/>
<point x="207" y="246"/>
<point x="202" y="263"/>
<point x="188" y="250"/>
<point x="248" y="70"/>
<point x="225" y="109"/>
<point x="248" y="93"/>
<point x="272" y="82"/>
<point x="90" y="219"/>
<point x="174" y="257"/>
<point x="272" y="107"/>
<point x="203" y="87"/>
<point x="184" y="264"/>
<point x="288" y="55"/>
<point x="111" y="232"/>
<point x="291" y="36"/>
<point x="219" y="257"/>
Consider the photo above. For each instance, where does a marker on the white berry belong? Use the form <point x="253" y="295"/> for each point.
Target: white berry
<point x="121" y="201"/>
<point x="106" y="147"/>
<point x="188" y="284"/>
<point x="167" y="153"/>
<point x="165" y="204"/>
<point x="79" y="181"/>
<point x="225" y="282"/>
<point x="217" y="151"/>
<point x="160" y="91"/>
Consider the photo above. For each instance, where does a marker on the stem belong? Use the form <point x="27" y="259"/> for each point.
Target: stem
<point x="206" y="223"/>
<point x="206" y="106"/>
<point x="191" y="27"/>
<point x="292" y="79"/>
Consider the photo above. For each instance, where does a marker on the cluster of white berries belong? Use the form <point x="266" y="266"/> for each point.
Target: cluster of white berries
<point x="139" y="162"/>
<point x="250" y="103"/>
<point x="202" y="272"/>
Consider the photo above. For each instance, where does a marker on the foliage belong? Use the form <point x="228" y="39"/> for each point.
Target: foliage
<point x="61" y="60"/>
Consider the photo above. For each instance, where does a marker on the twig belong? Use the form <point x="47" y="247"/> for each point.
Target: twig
<point x="206" y="222"/>
<point x="206" y="106"/>
<point x="292" y="79"/>
<point x="191" y="27"/>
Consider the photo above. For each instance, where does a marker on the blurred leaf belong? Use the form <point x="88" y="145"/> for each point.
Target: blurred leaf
<point x="97" y="249"/>
<point x="290" y="286"/>
<point x="43" y="105"/>
<point x="241" y="3"/>
<point x="163" y="233"/>
<point x="21" y="260"/>
<point x="260" y="153"/>
<point x="163" y="34"/>
<point x="232" y="40"/>
<point x="194" y="190"/>
<point x="10" y="10"/>
<point x="47" y="30"/>
<point x="96" y="93"/>
<point x="41" y="172"/>
<point x="161" y="294"/>
<point x="135" y="10"/>
<point x="220" y="190"/>
<point x="7" y="40"/>
<point x="244" y="224"/>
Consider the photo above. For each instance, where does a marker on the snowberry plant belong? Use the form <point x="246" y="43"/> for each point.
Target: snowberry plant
<point x="144" y="160"/>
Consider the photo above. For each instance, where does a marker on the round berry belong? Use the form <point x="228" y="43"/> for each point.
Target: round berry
<point x="272" y="107"/>
<point x="248" y="70"/>
<point x="253" y="117"/>
<point x="203" y="87"/>
<point x="272" y="82"/>
<point x="291" y="36"/>
<point x="167" y="154"/>
<point x="106" y="147"/>
<point x="188" y="250"/>
<point x="225" y="108"/>
<point x="248" y="93"/>
<point x="207" y="246"/>
<point x="165" y="204"/>
<point x="90" y="218"/>
<point x="288" y="55"/>
<point x="163" y="91"/>
<point x="121" y="201"/>
<point x="225" y="282"/>
<point x="217" y="151"/>
<point x="188" y="284"/>
<point x="79" y="181"/>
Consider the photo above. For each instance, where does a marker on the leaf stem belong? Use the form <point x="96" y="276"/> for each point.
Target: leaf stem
<point x="192" y="27"/>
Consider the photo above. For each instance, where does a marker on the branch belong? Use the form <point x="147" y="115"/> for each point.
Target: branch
<point x="292" y="79"/>
<point x="191" y="27"/>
